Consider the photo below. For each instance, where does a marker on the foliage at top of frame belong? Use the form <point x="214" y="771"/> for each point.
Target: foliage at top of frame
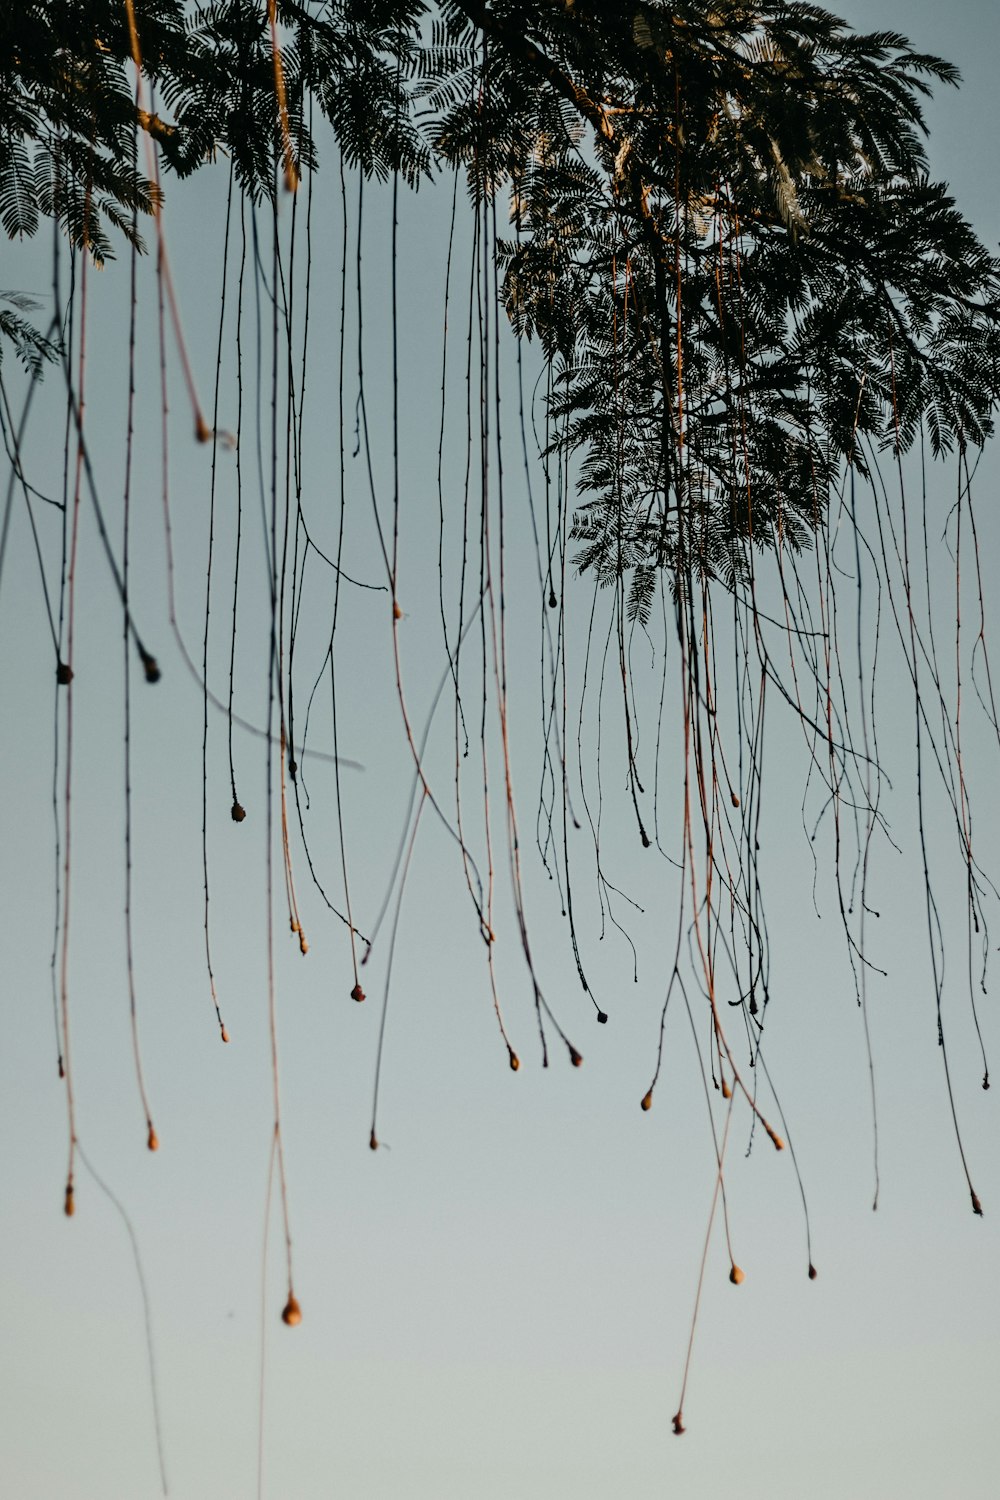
<point x="722" y="227"/>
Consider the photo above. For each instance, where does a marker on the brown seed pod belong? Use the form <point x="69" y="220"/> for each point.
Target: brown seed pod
<point x="69" y="1206"/>
<point x="152" y="1140"/>
<point x="291" y="1313"/>
<point x="202" y="431"/>
<point x="303" y="945"/>
<point x="151" y="667"/>
<point x="735" y="799"/>
<point x="575" y="1058"/>
<point x="647" y="1100"/>
<point x="397" y="613"/>
<point x="515" y="1061"/>
<point x="357" y="993"/>
<point x="737" y="1275"/>
<point x="602" y="1018"/>
<point x="977" y="1207"/>
<point x="238" y="812"/>
<point x="373" y="1142"/>
<point x="813" y="1273"/>
<point x="727" y="1092"/>
<point x="224" y="1034"/>
<point x="64" y="674"/>
<point x="679" y="1424"/>
<point x="776" y="1140"/>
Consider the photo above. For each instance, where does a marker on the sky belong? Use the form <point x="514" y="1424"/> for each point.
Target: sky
<point x="497" y="1303"/>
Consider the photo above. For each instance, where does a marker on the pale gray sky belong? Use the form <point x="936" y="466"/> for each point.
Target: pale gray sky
<point x="497" y="1307"/>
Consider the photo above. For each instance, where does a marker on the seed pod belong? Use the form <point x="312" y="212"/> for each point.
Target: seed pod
<point x="735" y="799"/>
<point x="602" y="1018"/>
<point x="152" y="1140"/>
<point x="575" y="1058"/>
<point x="202" y="431"/>
<point x="397" y="613"/>
<point x="647" y="1100"/>
<point x="64" y="674"/>
<point x="357" y="993"/>
<point x="291" y="1313"/>
<point x="151" y="667"/>
<point x="727" y="1092"/>
<point x="977" y="1207"/>
<point x="737" y="1275"/>
<point x="813" y="1273"/>
<point x="225" y="1034"/>
<point x="679" y="1424"/>
<point x="303" y="945"/>
<point x="238" y="812"/>
<point x="373" y="1142"/>
<point x="69" y="1207"/>
<point x="515" y="1061"/>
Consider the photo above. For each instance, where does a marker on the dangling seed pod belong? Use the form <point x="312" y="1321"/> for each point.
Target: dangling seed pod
<point x="373" y="1142"/>
<point x="727" y="1092"/>
<point x="291" y="1313"/>
<point x="515" y="1061"/>
<point x="303" y="945"/>
<point x="602" y="1018"/>
<point x="224" y="1034"/>
<point x="575" y="1058"/>
<point x="679" y="1424"/>
<point x="357" y="993"/>
<point x="64" y="674"/>
<point x="151" y="667"/>
<point x="647" y="1100"/>
<point x="735" y="799"/>
<point x="977" y="1207"/>
<point x="737" y="1275"/>
<point x="152" y="1140"/>
<point x="238" y="812"/>
<point x="69" y="1205"/>
<point x="202" y="431"/>
<point x="813" y="1273"/>
<point x="397" y="613"/>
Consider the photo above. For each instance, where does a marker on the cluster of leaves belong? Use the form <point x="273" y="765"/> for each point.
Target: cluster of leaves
<point x="727" y="241"/>
<point x="724" y="233"/>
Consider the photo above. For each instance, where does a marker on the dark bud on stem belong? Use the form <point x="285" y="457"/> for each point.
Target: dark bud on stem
<point x="602" y="1018"/>
<point x="64" y="673"/>
<point x="237" y="812"/>
<point x="357" y="993"/>
<point x="151" y="667"/>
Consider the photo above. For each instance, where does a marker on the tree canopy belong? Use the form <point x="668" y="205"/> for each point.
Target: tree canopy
<point x="722" y="225"/>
